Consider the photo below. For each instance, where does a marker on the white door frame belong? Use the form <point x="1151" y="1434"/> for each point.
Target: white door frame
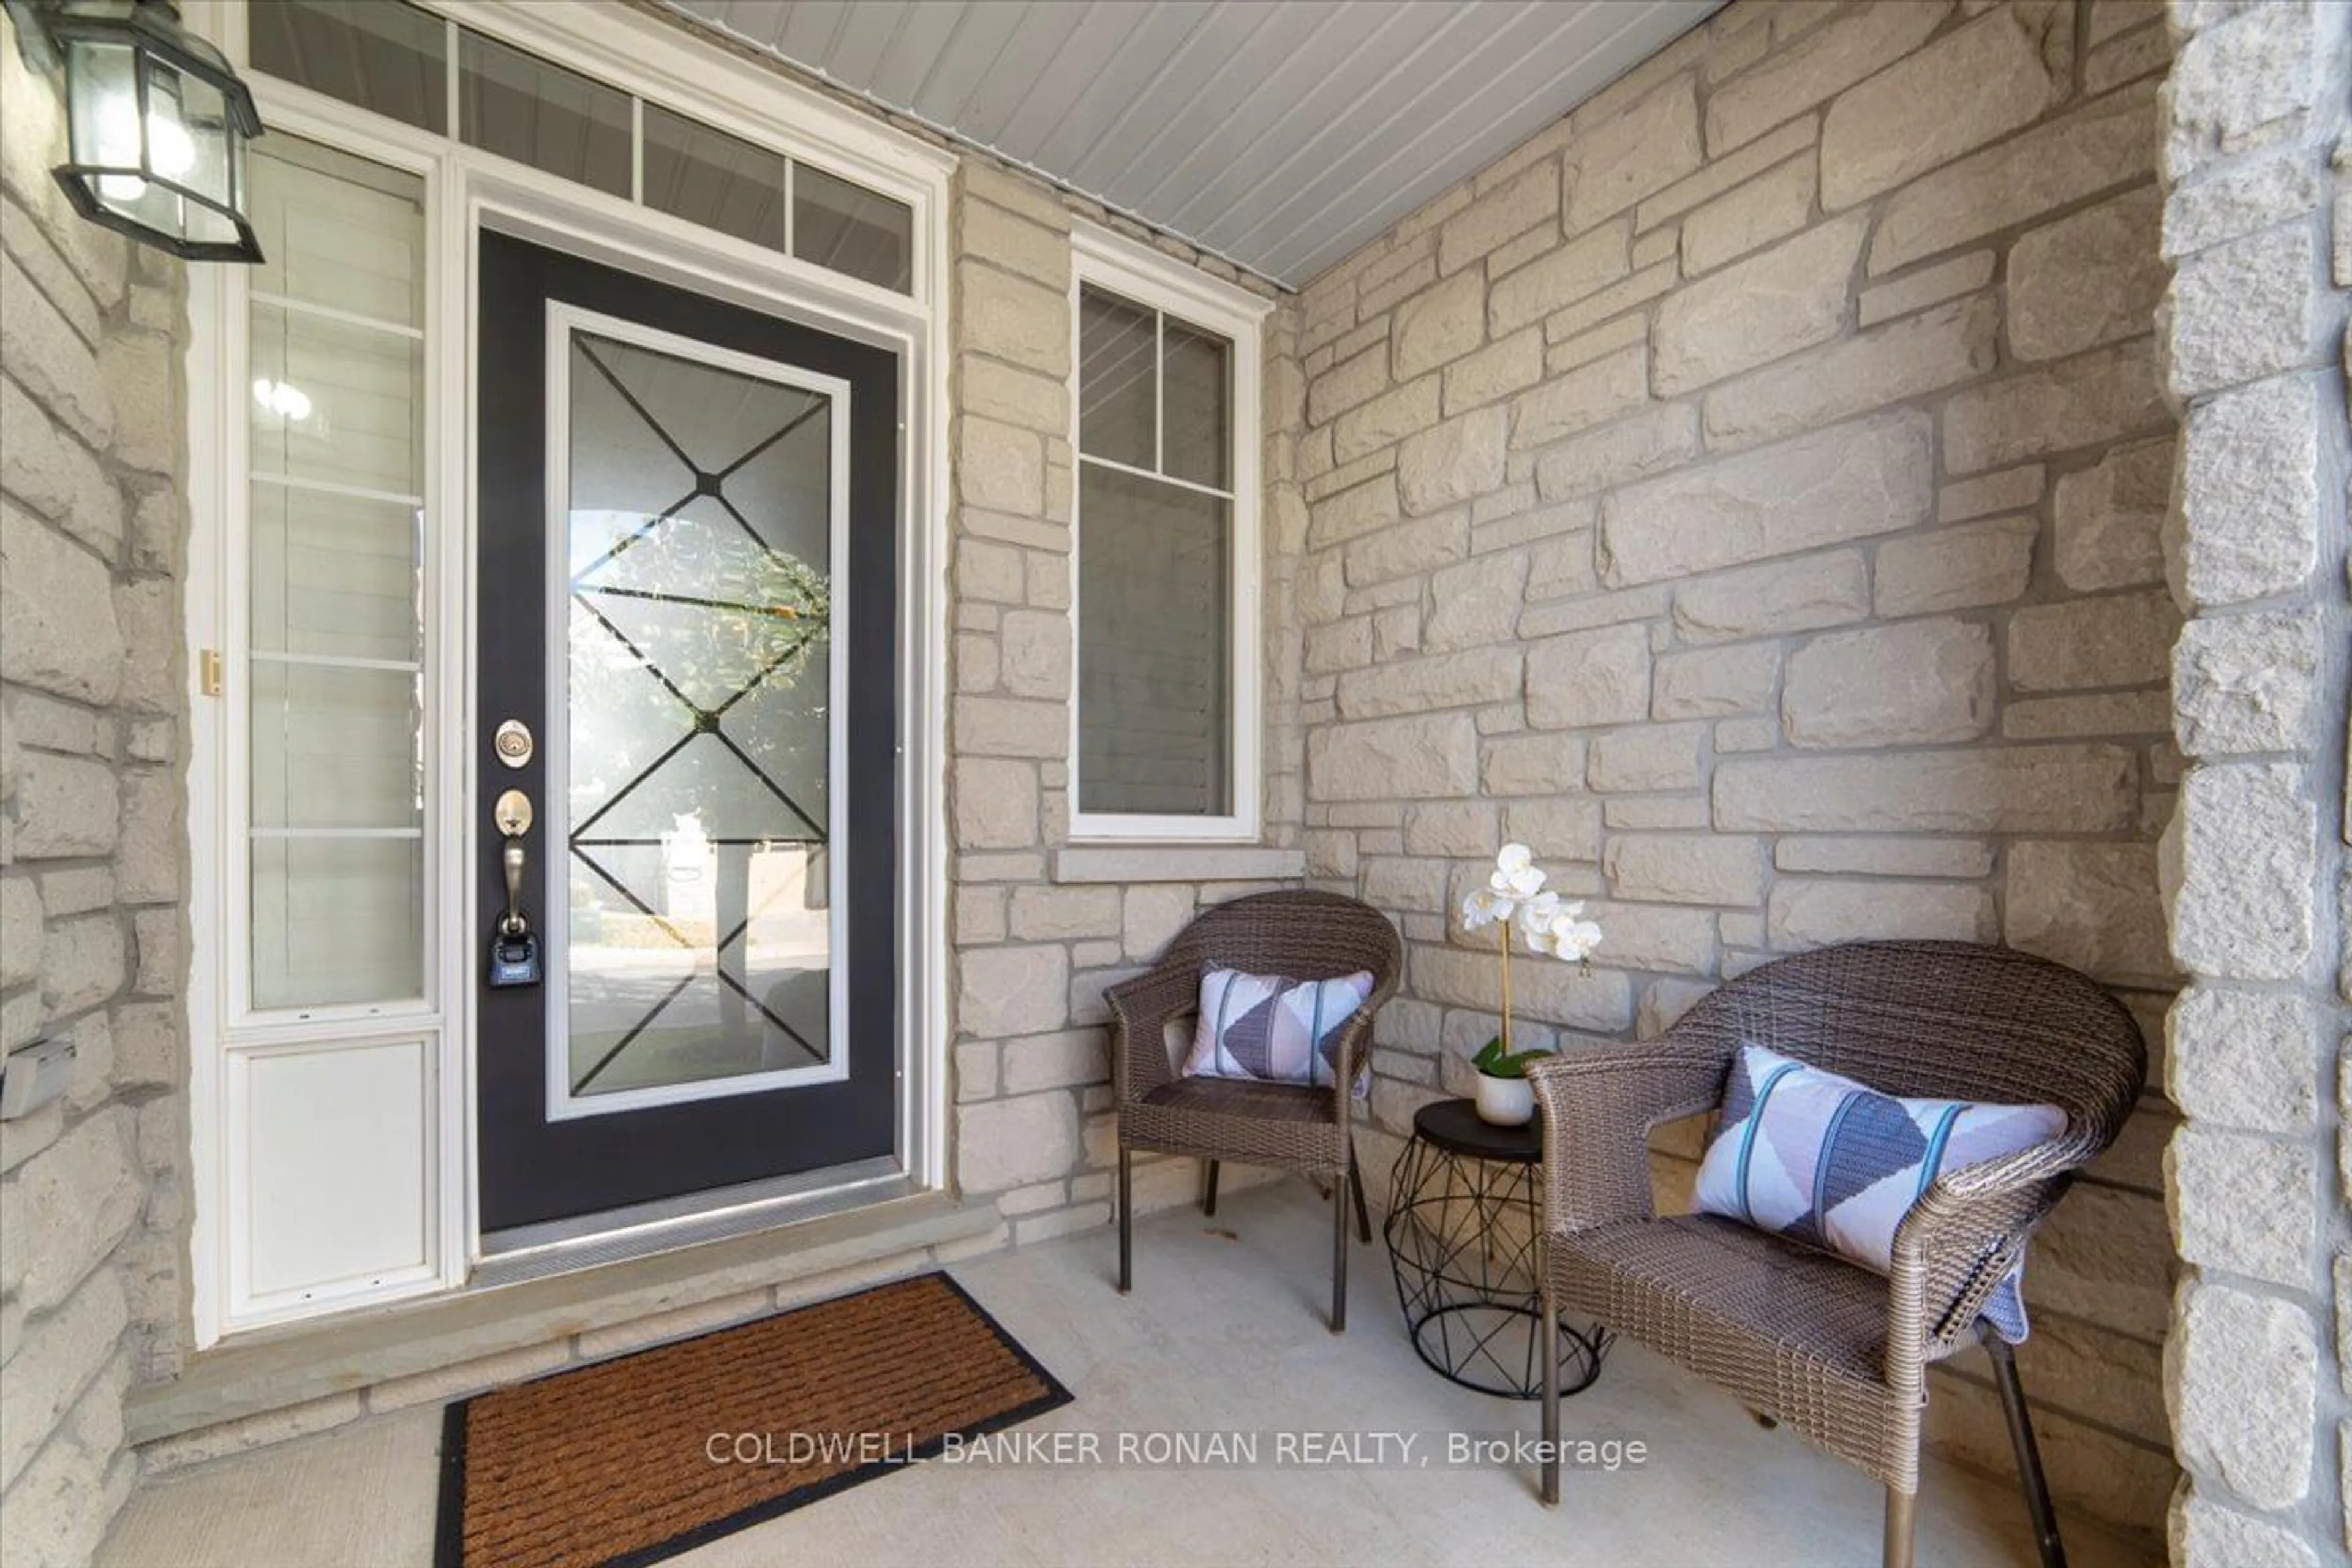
<point x="466" y="189"/>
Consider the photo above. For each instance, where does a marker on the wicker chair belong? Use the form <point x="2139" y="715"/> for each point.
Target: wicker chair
<point x="1307" y="936"/>
<point x="1796" y="1335"/>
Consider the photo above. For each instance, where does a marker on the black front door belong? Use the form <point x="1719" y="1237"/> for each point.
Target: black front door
<point x="686" y="567"/>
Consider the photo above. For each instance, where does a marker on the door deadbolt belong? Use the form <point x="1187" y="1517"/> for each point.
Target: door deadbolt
<point x="512" y="742"/>
<point x="513" y="814"/>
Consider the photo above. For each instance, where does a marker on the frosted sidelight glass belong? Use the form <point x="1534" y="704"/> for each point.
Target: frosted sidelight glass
<point x="331" y="679"/>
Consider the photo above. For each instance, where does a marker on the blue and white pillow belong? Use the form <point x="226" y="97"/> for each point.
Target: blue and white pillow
<point x="1823" y="1160"/>
<point x="1271" y="1029"/>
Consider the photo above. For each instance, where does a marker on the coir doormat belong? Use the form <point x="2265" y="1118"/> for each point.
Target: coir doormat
<point x="633" y="1460"/>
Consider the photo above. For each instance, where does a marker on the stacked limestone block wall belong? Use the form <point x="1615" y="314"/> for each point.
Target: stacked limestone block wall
<point x="1750" y="493"/>
<point x="2259" y="227"/>
<point x="1036" y="940"/>
<point x="91" y="874"/>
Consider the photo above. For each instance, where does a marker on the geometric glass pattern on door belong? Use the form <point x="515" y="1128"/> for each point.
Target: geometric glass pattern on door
<point x="698" y="819"/>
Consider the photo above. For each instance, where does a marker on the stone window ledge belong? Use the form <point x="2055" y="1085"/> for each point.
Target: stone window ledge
<point x="1178" y="863"/>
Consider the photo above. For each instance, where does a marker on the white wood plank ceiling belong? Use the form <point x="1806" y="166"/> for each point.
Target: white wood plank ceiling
<point x="1279" y="135"/>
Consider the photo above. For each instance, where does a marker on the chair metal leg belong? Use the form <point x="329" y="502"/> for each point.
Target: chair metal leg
<point x="1339" y="1257"/>
<point x="1899" y="1532"/>
<point x="1126" y="1222"/>
<point x="1356" y="1186"/>
<point x="1549" y="1350"/>
<point x="2028" y="1453"/>
<point x="1209" y="1196"/>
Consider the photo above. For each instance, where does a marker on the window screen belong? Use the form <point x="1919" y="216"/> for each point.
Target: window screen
<point x="1155" y="551"/>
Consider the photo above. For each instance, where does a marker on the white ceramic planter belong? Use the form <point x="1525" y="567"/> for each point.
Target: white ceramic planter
<point x="1505" y="1101"/>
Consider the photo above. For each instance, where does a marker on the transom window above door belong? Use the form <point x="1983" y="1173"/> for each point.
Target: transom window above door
<point x="426" y="70"/>
<point x="1165" y="603"/>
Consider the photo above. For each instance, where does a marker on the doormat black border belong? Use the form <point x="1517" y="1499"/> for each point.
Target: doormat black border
<point x="449" y="1526"/>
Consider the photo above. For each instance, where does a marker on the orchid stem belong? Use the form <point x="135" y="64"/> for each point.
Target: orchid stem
<point x="1502" y="928"/>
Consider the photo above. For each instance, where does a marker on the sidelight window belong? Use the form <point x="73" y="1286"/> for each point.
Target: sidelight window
<point x="332" y="683"/>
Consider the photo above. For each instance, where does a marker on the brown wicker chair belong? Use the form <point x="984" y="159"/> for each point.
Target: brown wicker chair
<point x="1307" y="936"/>
<point x="1798" y="1336"/>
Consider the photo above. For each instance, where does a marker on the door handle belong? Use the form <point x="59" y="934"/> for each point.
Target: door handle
<point x="514" y="952"/>
<point x="512" y="923"/>
<point x="513" y="815"/>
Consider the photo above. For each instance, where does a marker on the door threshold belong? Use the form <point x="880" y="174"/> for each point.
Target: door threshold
<point x="641" y="1230"/>
<point x="291" y="1364"/>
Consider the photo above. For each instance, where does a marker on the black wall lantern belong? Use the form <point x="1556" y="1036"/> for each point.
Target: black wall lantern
<point x="158" y="124"/>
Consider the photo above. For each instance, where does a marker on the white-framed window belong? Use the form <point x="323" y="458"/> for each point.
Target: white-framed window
<point x="330" y="681"/>
<point x="1164" y="408"/>
<point x="320" y="785"/>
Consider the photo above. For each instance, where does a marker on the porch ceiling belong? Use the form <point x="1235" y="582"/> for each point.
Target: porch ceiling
<point x="1278" y="136"/>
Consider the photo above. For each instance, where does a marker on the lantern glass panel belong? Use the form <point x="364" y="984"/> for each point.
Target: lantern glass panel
<point x="105" y="126"/>
<point x="203" y="118"/>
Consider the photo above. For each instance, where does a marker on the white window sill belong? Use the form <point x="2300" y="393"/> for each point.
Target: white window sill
<point x="1177" y="863"/>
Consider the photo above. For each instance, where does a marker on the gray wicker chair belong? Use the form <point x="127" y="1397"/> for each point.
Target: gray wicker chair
<point x="1798" y="1336"/>
<point x="1307" y="936"/>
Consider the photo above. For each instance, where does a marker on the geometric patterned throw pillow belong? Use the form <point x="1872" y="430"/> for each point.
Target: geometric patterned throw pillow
<point x="1825" y="1161"/>
<point x="1272" y="1029"/>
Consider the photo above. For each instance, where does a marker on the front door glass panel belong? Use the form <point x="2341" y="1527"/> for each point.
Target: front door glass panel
<point x="702" y="501"/>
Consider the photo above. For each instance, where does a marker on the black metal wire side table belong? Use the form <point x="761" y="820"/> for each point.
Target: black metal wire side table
<point x="1464" y="1218"/>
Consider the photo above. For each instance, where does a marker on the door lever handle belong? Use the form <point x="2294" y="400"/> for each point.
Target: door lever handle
<point x="512" y="923"/>
<point x="512" y="815"/>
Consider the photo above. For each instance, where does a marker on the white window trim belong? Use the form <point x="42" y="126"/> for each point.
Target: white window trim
<point x="1121" y="266"/>
<point x="655" y="60"/>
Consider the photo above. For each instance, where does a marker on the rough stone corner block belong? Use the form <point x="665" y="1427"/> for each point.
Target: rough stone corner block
<point x="2241" y="1375"/>
<point x="2240" y="868"/>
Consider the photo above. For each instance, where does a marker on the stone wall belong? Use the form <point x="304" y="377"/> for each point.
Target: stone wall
<point x="1038" y="933"/>
<point x="1748" y="493"/>
<point x="92" y="873"/>
<point x="2259" y="228"/>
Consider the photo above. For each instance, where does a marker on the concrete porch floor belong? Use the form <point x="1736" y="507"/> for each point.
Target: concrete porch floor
<point x="1225" y="1332"/>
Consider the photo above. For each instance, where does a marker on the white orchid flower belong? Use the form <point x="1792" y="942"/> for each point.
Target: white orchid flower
<point x="1515" y="876"/>
<point x="1515" y="893"/>
<point x="1536" y="917"/>
<point x="1483" y="907"/>
<point x="1566" y="935"/>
